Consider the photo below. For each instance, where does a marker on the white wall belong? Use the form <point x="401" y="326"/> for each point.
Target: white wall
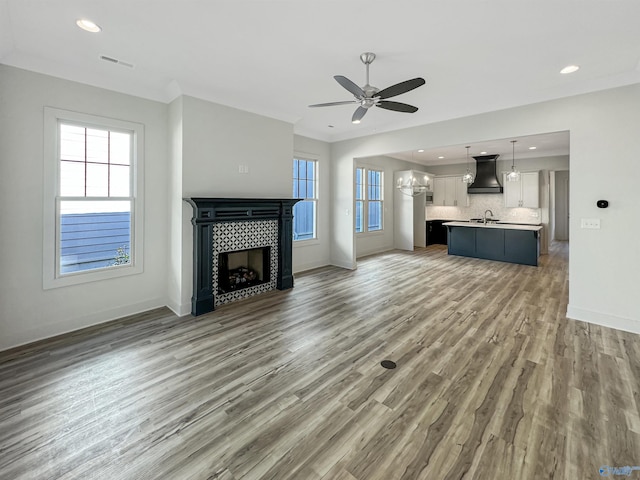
<point x="178" y="238"/>
<point x="604" y="264"/>
<point x="27" y="312"/>
<point x="310" y="254"/>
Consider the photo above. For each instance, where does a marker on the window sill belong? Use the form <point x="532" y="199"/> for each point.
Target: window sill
<point x="79" y="278"/>
<point x="370" y="234"/>
<point x="306" y="243"/>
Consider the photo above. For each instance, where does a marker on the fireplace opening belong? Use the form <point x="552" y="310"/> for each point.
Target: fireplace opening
<point x="243" y="269"/>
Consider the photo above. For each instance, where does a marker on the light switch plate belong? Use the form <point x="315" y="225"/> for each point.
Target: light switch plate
<point x="590" y="223"/>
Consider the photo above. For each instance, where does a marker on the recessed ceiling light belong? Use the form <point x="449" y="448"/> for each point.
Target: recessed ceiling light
<point x="483" y="153"/>
<point x="532" y="148"/>
<point x="421" y="150"/>
<point x="88" y="25"/>
<point x="570" y="69"/>
<point x="440" y="157"/>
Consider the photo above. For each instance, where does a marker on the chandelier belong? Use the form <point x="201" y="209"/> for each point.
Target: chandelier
<point x="413" y="186"/>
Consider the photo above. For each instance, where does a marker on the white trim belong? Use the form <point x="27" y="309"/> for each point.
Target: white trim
<point x="305" y="267"/>
<point x="181" y="310"/>
<point x="603" y="319"/>
<point x="53" y="329"/>
<point x="375" y="251"/>
<point x="365" y="201"/>
<point x="50" y="279"/>
<point x="306" y="243"/>
<point x="315" y="199"/>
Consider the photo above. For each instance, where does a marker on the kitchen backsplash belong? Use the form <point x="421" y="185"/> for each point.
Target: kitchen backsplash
<point x="478" y="203"/>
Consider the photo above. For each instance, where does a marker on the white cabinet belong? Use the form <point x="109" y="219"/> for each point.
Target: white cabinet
<point x="450" y="192"/>
<point x="523" y="193"/>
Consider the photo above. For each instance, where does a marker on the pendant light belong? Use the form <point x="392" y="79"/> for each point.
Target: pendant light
<point x="513" y="175"/>
<point x="468" y="177"/>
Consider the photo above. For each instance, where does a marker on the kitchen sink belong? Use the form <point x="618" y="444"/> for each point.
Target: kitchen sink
<point x="481" y="220"/>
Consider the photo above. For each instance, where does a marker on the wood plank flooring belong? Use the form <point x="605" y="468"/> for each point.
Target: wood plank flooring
<point x="492" y="382"/>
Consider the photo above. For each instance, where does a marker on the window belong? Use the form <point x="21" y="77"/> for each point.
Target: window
<point x="93" y="194"/>
<point x="305" y="186"/>
<point x="369" y="198"/>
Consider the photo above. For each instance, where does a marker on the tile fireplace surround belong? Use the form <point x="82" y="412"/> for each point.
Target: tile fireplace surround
<point x="229" y="224"/>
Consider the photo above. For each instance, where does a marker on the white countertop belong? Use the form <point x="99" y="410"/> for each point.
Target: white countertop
<point x="504" y="226"/>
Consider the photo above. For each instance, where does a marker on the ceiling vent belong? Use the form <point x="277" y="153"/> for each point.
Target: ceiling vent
<point x="116" y="61"/>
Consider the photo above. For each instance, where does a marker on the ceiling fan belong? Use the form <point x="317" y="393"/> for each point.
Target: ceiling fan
<point x="368" y="96"/>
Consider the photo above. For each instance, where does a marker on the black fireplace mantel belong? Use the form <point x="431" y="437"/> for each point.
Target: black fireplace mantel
<point x="208" y="211"/>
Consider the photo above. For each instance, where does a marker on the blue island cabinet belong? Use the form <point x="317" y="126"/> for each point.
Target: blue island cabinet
<point x="494" y="243"/>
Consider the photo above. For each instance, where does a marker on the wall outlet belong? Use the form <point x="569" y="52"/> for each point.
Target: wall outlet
<point x="534" y="214"/>
<point x="243" y="168"/>
<point x="590" y="223"/>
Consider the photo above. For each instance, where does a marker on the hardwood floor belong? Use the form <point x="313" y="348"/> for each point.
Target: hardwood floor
<point x="492" y="382"/>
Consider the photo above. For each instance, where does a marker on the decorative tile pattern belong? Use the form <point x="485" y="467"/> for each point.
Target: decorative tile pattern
<point x="243" y="235"/>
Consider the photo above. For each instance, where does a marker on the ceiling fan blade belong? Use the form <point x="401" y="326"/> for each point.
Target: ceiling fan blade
<point x="349" y="85"/>
<point x="397" y="106"/>
<point x="358" y="114"/>
<point x="331" y="104"/>
<point x="400" y="88"/>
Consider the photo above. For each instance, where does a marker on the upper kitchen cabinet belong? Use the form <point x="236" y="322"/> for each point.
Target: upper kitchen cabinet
<point x="450" y="192"/>
<point x="524" y="192"/>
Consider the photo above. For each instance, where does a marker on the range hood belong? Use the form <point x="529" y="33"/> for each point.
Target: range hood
<point x="486" y="180"/>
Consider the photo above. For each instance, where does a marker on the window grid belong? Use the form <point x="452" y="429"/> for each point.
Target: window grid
<point x="360" y="199"/>
<point x="68" y="159"/>
<point x="305" y="186"/>
<point x="368" y="200"/>
<point x="94" y="210"/>
<point x="374" y="207"/>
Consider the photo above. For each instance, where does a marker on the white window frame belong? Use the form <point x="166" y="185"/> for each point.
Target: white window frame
<point x="316" y="171"/>
<point x="365" y="200"/>
<point x="51" y="237"/>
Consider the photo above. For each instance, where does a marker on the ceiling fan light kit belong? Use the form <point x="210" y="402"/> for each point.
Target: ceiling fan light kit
<point x="369" y="96"/>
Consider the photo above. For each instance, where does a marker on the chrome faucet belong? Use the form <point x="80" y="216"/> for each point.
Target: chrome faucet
<point x="485" y="215"/>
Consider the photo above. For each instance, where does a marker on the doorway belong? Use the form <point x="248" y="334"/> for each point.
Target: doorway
<point x="561" y="231"/>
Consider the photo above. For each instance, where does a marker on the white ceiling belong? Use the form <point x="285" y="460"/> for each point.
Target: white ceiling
<point x="527" y="147"/>
<point x="277" y="57"/>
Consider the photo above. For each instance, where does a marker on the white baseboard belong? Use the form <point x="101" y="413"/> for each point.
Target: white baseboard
<point x="349" y="264"/>
<point x="180" y="310"/>
<point x="375" y="251"/>
<point x="53" y="329"/>
<point x="303" y="267"/>
<point x="604" y="319"/>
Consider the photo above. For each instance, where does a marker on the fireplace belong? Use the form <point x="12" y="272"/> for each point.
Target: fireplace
<point x="222" y="227"/>
<point x="243" y="269"/>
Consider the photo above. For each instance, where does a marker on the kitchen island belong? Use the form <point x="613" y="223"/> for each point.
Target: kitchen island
<point x="504" y="242"/>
